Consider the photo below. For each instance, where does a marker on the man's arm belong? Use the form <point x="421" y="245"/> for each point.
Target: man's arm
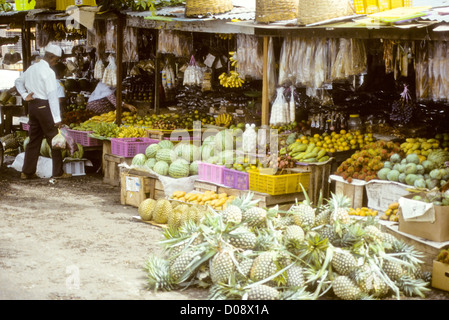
<point x="20" y="87"/>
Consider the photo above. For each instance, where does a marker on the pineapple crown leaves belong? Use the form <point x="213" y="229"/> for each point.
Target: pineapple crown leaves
<point x="245" y="202"/>
<point x="158" y="274"/>
<point x="296" y="294"/>
<point x="339" y="200"/>
<point x="412" y="287"/>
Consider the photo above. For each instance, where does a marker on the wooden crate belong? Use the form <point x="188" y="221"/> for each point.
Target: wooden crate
<point x="111" y="169"/>
<point x="357" y="193"/>
<point x="284" y="201"/>
<point x="136" y="187"/>
<point x="318" y="181"/>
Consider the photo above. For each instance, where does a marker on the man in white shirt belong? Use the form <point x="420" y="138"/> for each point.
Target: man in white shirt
<point x="39" y="87"/>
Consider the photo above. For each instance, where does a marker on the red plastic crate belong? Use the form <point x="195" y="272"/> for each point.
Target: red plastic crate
<point x="82" y="137"/>
<point x="236" y="179"/>
<point x="210" y="172"/>
<point x="129" y="147"/>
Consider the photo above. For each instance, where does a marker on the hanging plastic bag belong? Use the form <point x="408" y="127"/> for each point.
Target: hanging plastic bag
<point x="110" y="73"/>
<point x="292" y="105"/>
<point x="279" y="109"/>
<point x="249" y="139"/>
<point x="99" y="69"/>
<point x="58" y="142"/>
<point x="193" y="74"/>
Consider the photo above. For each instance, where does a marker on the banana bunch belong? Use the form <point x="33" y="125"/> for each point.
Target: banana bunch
<point x="231" y="80"/>
<point x="130" y="132"/>
<point x="225" y="36"/>
<point x="223" y="119"/>
<point x="232" y="58"/>
<point x="105" y="117"/>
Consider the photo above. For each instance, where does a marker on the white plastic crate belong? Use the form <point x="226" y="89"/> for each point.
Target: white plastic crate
<point x="76" y="168"/>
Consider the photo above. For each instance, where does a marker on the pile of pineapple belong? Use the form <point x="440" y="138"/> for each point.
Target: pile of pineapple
<point x="309" y="252"/>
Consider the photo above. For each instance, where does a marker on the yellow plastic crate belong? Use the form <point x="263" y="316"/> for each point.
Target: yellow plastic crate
<point x="373" y="6"/>
<point x="278" y="184"/>
<point x="63" y="4"/>
<point x="22" y="5"/>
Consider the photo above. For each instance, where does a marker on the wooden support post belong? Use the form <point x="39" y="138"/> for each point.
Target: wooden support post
<point x="157" y="82"/>
<point x="265" y="101"/>
<point x="119" y="61"/>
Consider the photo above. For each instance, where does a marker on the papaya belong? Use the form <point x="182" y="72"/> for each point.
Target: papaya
<point x="300" y="148"/>
<point x="321" y="154"/>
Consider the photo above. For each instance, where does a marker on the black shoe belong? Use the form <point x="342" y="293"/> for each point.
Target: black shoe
<point x="25" y="176"/>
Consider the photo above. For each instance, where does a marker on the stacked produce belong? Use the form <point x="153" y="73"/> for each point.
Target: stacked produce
<point x="443" y="138"/>
<point x="167" y="160"/>
<point x="45" y="150"/>
<point x="363" y="212"/>
<point x="216" y="201"/>
<point x="59" y="31"/>
<point x="364" y="164"/>
<point x="391" y="214"/>
<point x="429" y="173"/>
<point x="248" y="252"/>
<point x="224" y="120"/>
<point x="420" y="146"/>
<point x="171" y="213"/>
<point x="76" y="117"/>
<point x="434" y="196"/>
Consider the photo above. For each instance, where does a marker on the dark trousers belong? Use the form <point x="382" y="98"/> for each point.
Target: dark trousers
<point x="41" y="125"/>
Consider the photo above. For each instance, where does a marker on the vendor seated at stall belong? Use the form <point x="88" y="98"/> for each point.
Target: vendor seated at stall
<point x="103" y="100"/>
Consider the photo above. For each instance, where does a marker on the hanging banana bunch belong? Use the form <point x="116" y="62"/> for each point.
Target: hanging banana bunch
<point x="223" y="119"/>
<point x="225" y="36"/>
<point x="231" y="79"/>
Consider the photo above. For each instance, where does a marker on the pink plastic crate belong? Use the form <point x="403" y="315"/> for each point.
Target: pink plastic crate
<point x="129" y="147"/>
<point x="210" y="172"/>
<point x="236" y="179"/>
<point x="82" y="137"/>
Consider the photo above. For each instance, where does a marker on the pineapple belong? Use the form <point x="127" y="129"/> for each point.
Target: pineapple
<point x="303" y="212"/>
<point x="244" y="267"/>
<point x="295" y="276"/>
<point x="284" y="221"/>
<point x="221" y="266"/>
<point x="262" y="292"/>
<point x="145" y="209"/>
<point x="234" y="211"/>
<point x="369" y="282"/>
<point x="243" y="238"/>
<point x="293" y="236"/>
<point x="339" y="205"/>
<point x="343" y="261"/>
<point x="255" y="217"/>
<point x="393" y="269"/>
<point x="374" y="233"/>
<point x="180" y="265"/>
<point x="264" y="266"/>
<point x="327" y="232"/>
<point x="345" y="288"/>
<point x="303" y="215"/>
<point x="158" y="275"/>
<point x="323" y="217"/>
<point x="161" y="211"/>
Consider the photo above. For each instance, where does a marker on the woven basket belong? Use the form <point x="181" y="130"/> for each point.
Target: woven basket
<point x="45" y="4"/>
<point x="276" y="10"/>
<point x="204" y="7"/>
<point x="312" y="11"/>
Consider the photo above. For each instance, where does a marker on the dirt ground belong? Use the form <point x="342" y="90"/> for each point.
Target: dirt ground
<point x="73" y="240"/>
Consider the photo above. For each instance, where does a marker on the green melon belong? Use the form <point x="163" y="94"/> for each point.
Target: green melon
<point x="207" y="151"/>
<point x="161" y="167"/>
<point x="150" y="163"/>
<point x="179" y="169"/>
<point x="412" y="158"/>
<point x="45" y="149"/>
<point x="139" y="159"/>
<point x="167" y="155"/>
<point x="382" y="173"/>
<point x="166" y="144"/>
<point x="194" y="168"/>
<point x="189" y="152"/>
<point x="151" y="150"/>
<point x="224" y="140"/>
<point x="79" y="154"/>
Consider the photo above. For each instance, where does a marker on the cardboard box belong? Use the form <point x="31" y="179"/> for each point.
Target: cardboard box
<point x="440" y="275"/>
<point x="355" y="191"/>
<point x="382" y="193"/>
<point x="438" y="230"/>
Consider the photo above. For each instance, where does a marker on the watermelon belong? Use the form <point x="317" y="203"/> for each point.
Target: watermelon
<point x="151" y="150"/>
<point x="161" y="167"/>
<point x="207" y="151"/>
<point x="189" y="152"/>
<point x="224" y="140"/>
<point x="45" y="149"/>
<point x="166" y="144"/>
<point x="139" y="159"/>
<point x="210" y="140"/>
<point x="167" y="155"/>
<point x="150" y="163"/>
<point x="179" y="169"/>
<point x="194" y="168"/>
